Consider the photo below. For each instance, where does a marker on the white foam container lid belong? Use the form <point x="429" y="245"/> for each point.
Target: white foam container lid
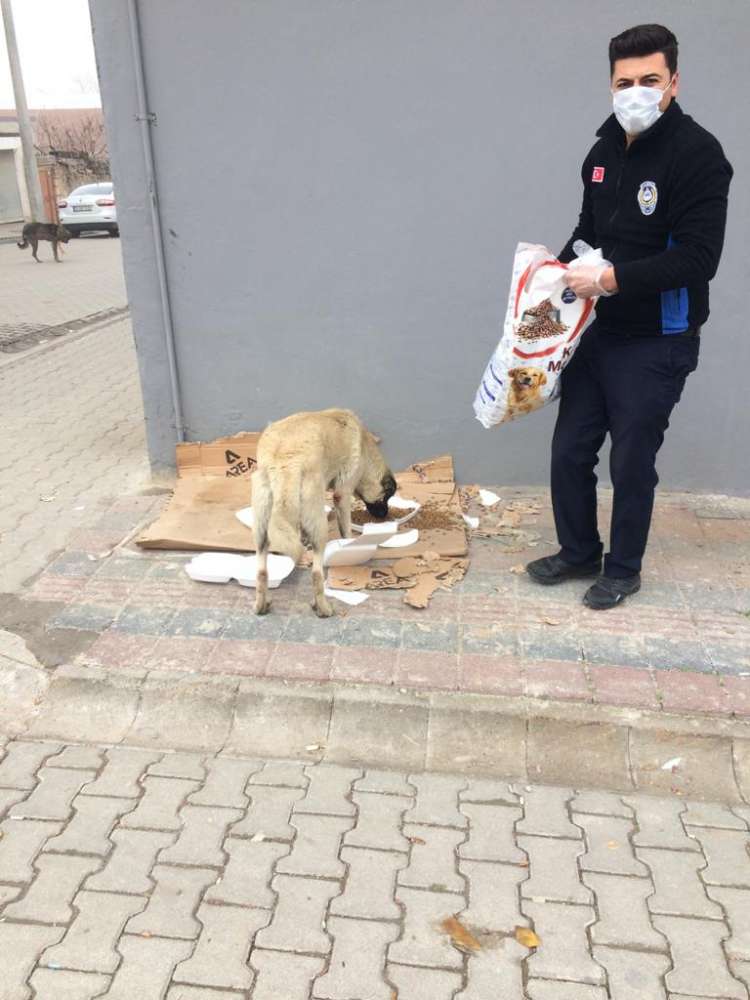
<point x="357" y="551"/>
<point x="221" y="567"/>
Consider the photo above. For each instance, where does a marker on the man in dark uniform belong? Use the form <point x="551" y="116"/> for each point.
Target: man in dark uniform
<point x="655" y="201"/>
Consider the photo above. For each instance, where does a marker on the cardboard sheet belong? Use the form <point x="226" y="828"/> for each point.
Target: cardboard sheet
<point x="213" y="483"/>
<point x="200" y="515"/>
<point x="229" y="457"/>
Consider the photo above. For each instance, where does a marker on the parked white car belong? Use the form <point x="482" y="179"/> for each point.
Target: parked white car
<point x="89" y="209"/>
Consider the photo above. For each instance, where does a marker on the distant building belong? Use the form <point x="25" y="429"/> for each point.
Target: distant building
<point x="71" y="150"/>
<point x="14" y="204"/>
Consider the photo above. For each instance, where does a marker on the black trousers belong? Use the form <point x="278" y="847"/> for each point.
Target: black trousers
<point x="627" y="387"/>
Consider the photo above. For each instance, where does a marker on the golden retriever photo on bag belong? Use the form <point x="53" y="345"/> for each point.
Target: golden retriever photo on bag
<point x="299" y="458"/>
<point x="524" y="394"/>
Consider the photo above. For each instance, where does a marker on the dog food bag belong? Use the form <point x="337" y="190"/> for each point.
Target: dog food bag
<point x="543" y="325"/>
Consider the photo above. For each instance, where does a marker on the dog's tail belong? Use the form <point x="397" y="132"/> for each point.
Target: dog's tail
<point x="277" y="509"/>
<point x="22" y="246"/>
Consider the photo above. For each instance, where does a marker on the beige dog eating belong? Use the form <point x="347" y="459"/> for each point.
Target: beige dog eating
<point x="299" y="458"/>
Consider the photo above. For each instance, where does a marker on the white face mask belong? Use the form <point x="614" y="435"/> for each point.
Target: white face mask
<point x="637" y="108"/>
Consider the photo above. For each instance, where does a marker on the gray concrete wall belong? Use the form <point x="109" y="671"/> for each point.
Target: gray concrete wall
<point x="342" y="185"/>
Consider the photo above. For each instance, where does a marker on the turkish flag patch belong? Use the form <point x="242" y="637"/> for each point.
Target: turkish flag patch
<point x="598" y="175"/>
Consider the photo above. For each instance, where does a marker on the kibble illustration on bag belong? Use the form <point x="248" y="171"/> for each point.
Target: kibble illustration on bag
<point x="543" y="325"/>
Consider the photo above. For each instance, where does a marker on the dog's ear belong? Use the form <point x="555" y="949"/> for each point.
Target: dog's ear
<point x="512" y="373"/>
<point x="542" y="379"/>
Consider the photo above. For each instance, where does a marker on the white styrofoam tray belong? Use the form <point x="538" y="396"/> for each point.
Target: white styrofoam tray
<point x="221" y="567"/>
<point x="357" y="551"/>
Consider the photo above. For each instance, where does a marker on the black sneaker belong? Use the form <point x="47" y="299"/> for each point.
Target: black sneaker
<point x="552" y="569"/>
<point x="609" y="591"/>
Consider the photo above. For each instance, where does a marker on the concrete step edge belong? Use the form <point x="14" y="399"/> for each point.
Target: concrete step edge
<point x="581" y="745"/>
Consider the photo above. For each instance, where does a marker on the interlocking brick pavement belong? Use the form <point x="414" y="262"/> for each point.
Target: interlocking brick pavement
<point x="73" y="440"/>
<point x="124" y="911"/>
<point x="89" y="280"/>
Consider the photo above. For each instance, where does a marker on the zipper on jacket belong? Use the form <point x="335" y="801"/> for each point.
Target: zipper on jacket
<point x="623" y="154"/>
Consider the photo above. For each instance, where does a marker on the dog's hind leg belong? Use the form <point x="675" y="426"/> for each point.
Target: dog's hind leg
<point x="34" y="247"/>
<point x="262" y="604"/>
<point x="321" y="605"/>
<point x="315" y="527"/>
<point x="262" y="506"/>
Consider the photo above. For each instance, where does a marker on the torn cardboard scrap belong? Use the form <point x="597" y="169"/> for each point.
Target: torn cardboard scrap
<point x="403" y="568"/>
<point x="435" y="470"/>
<point x="505" y="524"/>
<point x="349" y="577"/>
<point x="419" y="577"/>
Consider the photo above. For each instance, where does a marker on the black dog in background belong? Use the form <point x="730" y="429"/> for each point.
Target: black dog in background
<point x="33" y="232"/>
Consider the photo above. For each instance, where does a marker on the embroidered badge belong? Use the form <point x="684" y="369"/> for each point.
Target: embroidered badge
<point x="598" y="175"/>
<point x="648" y="195"/>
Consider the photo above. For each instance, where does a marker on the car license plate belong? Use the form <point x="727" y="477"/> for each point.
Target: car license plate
<point x="82" y="208"/>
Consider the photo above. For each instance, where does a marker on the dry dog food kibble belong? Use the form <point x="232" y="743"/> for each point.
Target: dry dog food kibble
<point x="540" y="322"/>
<point x="433" y="515"/>
<point x="362" y="516"/>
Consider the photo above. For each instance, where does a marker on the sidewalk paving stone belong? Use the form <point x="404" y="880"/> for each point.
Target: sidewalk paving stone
<point x="90" y="942"/>
<point x="170" y="907"/>
<point x="20" y="945"/>
<point x="699" y="961"/>
<point x="357" y="960"/>
<point x="220" y="957"/>
<point x="634" y="975"/>
<point x="279" y="976"/>
<point x="565" y="954"/>
<point x="495" y="973"/>
<point x="61" y="984"/>
<point x="678" y="889"/>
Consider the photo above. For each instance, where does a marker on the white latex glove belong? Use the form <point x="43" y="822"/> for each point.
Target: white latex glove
<point x="585" y="280"/>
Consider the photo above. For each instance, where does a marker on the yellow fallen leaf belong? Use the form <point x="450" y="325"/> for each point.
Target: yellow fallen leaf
<point x="552" y="621"/>
<point x="613" y="845"/>
<point x="518" y="569"/>
<point x="461" y="938"/>
<point x="526" y="937"/>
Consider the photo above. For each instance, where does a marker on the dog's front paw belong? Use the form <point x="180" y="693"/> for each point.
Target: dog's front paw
<point x="262" y="607"/>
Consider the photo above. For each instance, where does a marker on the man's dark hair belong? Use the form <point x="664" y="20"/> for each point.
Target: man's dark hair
<point x="644" y="40"/>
